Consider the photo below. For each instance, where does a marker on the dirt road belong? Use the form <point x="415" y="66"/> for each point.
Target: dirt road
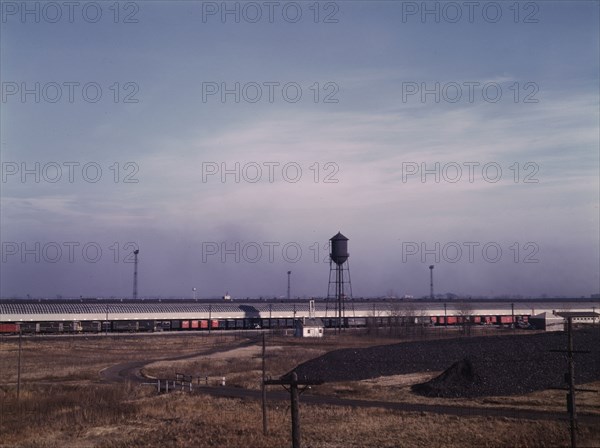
<point x="131" y="371"/>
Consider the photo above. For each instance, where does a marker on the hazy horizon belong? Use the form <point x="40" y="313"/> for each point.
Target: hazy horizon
<point x="230" y="145"/>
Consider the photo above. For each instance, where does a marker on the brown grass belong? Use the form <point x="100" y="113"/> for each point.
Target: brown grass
<point x="62" y="402"/>
<point x="123" y="416"/>
<point x="397" y="389"/>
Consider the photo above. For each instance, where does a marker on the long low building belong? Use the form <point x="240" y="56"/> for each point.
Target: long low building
<point x="63" y="311"/>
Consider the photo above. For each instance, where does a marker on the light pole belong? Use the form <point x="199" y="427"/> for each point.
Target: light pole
<point x="106" y="322"/>
<point x="445" y="316"/>
<point x="194" y="292"/>
<point x="431" y="282"/>
<point x="512" y="314"/>
<point x="289" y="273"/>
<point x="135" y="273"/>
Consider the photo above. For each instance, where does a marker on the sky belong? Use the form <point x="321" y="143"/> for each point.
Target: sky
<point x="229" y="141"/>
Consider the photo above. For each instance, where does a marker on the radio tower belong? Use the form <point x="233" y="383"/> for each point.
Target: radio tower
<point x="135" y="264"/>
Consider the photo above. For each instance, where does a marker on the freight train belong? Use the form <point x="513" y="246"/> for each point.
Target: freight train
<point x="137" y="326"/>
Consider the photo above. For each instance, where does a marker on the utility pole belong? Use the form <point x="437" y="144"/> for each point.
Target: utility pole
<point x="293" y="384"/>
<point x="570" y="375"/>
<point x="295" y="411"/>
<point x="19" y="365"/>
<point x="571" y="394"/>
<point x="264" y="387"/>
<point x="288" y="290"/>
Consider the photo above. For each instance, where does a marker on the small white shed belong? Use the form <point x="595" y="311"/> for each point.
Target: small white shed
<point x="309" y="328"/>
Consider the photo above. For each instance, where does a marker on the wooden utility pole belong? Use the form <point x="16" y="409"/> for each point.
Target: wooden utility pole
<point x="571" y="379"/>
<point x="293" y="384"/>
<point x="570" y="375"/>
<point x="295" y="411"/>
<point x="19" y="365"/>
<point x="264" y="388"/>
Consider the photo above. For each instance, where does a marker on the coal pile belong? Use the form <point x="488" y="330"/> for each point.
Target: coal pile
<point x="473" y="366"/>
<point x="459" y="376"/>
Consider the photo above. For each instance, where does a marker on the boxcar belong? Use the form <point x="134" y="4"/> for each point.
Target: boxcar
<point x="146" y="325"/>
<point x="91" y="326"/>
<point x="9" y="328"/>
<point x="163" y="325"/>
<point x="30" y="327"/>
<point x="51" y="327"/>
<point x="73" y="327"/>
<point x="124" y="325"/>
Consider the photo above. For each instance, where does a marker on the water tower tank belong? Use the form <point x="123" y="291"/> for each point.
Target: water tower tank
<point x="339" y="248"/>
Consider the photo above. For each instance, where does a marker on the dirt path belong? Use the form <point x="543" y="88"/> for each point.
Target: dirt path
<point x="131" y="371"/>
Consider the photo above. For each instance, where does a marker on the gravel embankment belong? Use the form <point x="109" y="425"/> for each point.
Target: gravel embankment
<point x="474" y="366"/>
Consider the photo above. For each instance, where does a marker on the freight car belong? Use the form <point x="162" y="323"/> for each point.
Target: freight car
<point x="10" y="328"/>
<point x="91" y="326"/>
<point x="73" y="327"/>
<point x="162" y="325"/>
<point x="30" y="327"/>
<point x="502" y="320"/>
<point x="146" y="325"/>
<point x="124" y="325"/>
<point x="51" y="327"/>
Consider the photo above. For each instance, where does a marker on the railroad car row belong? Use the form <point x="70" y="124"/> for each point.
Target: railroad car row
<point x="521" y="319"/>
<point x="109" y="326"/>
<point x="134" y="326"/>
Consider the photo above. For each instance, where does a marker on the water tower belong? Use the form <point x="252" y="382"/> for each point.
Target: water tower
<point x="339" y="275"/>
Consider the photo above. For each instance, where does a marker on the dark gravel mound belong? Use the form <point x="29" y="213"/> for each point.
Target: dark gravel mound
<point x="474" y="366"/>
<point x="460" y="375"/>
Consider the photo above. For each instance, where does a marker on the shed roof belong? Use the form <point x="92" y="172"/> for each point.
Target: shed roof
<point x="311" y="322"/>
<point x="567" y="314"/>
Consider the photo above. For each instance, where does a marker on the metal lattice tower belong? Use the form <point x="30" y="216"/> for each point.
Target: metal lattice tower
<point x="340" y="286"/>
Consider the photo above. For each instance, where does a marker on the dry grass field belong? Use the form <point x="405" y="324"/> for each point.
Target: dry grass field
<point x="64" y="402"/>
